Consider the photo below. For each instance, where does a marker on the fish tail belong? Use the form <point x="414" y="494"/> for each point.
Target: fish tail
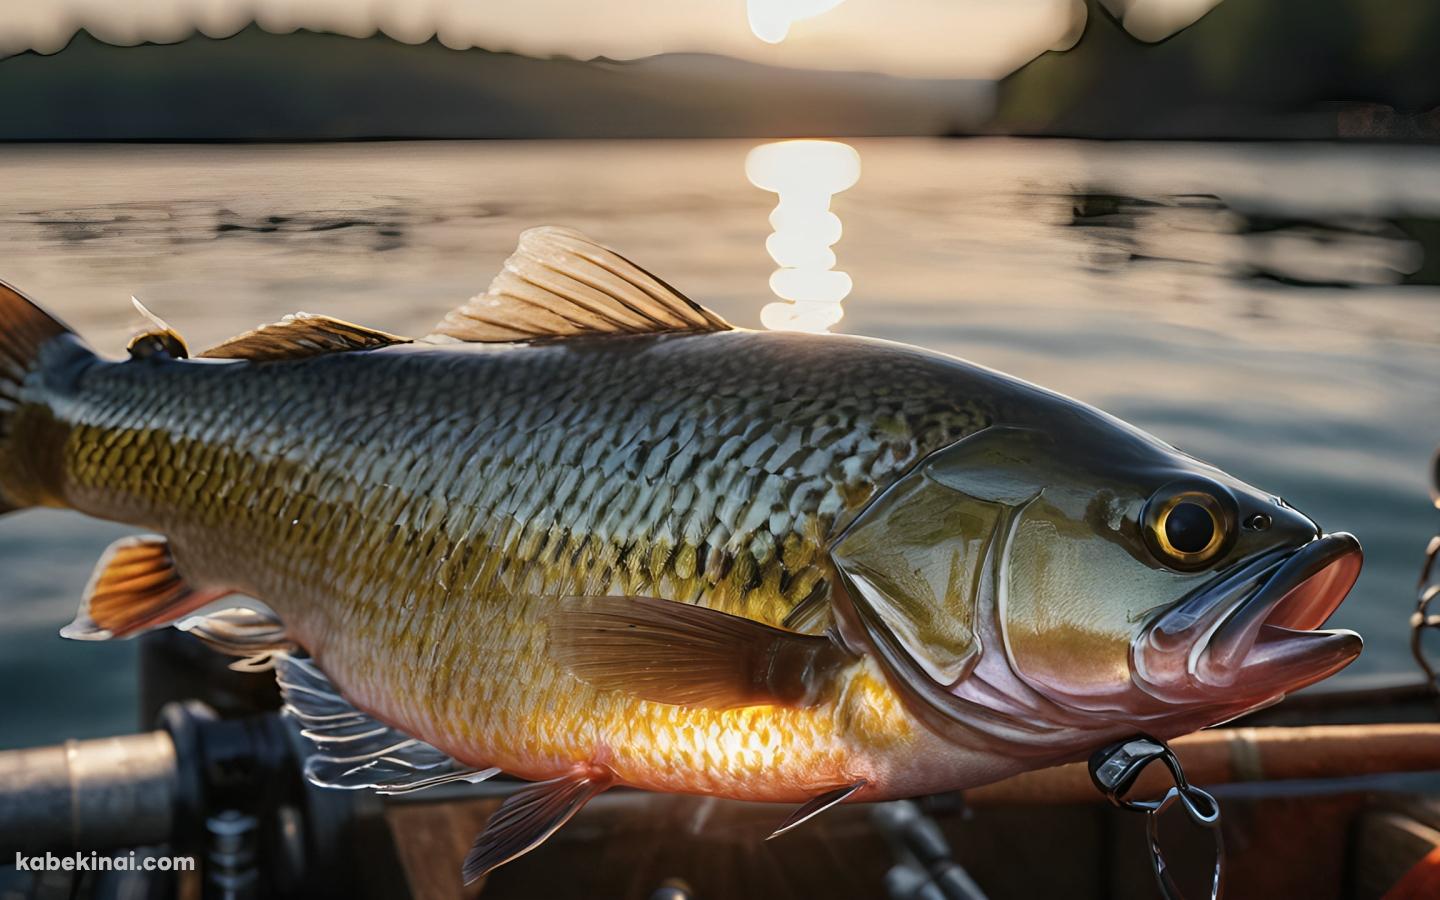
<point x="31" y="342"/>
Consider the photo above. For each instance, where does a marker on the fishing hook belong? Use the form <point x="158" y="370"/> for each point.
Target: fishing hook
<point x="1114" y="769"/>
<point x="1428" y="588"/>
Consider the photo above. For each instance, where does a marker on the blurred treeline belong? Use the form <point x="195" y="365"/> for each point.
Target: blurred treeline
<point x="1276" y="69"/>
<point x="1248" y="69"/>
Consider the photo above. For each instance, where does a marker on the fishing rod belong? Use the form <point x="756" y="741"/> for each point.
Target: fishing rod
<point x="203" y="783"/>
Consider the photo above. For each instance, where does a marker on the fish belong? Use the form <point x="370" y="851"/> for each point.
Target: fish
<point x="587" y="533"/>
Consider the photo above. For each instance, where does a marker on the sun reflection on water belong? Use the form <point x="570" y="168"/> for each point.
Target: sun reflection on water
<point x="805" y="175"/>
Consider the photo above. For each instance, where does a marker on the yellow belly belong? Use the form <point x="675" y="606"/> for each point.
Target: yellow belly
<point x="485" y="691"/>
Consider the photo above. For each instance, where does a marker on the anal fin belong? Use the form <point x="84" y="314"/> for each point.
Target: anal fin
<point x="817" y="805"/>
<point x="353" y="750"/>
<point x="135" y="587"/>
<point x="528" y="817"/>
<point x="256" y="637"/>
<point x="688" y="655"/>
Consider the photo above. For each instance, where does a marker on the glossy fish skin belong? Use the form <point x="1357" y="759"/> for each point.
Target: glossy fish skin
<point x="412" y="513"/>
<point x="589" y="534"/>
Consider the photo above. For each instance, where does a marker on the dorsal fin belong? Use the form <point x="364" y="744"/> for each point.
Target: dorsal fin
<point x="155" y="337"/>
<point x="559" y="283"/>
<point x="301" y="335"/>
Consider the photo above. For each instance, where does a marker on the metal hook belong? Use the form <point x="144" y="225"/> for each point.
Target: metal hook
<point x="1428" y="589"/>
<point x="1114" y="770"/>
<point x="1422" y="618"/>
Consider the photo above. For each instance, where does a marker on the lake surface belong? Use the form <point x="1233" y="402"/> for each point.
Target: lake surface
<point x="1271" y="309"/>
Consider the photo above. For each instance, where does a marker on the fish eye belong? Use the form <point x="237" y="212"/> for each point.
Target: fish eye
<point x="1187" y="528"/>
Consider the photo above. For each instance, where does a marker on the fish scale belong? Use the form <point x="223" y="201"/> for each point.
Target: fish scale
<point x="589" y="534"/>
<point x="416" y="547"/>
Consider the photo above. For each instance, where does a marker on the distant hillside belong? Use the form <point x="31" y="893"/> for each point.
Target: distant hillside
<point x="304" y="86"/>
<point x="1248" y="69"/>
<point x="1251" y="69"/>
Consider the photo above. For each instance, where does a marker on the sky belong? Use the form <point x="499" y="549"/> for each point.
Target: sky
<point x="909" y="38"/>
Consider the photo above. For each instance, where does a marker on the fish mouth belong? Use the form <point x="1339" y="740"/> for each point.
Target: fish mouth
<point x="1258" y="632"/>
<point x="1274" y="634"/>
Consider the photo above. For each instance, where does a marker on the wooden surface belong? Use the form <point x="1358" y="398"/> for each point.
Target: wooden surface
<point x="624" y="841"/>
<point x="432" y="840"/>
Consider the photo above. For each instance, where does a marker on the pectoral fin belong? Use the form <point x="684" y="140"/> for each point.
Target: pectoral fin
<point x="816" y="805"/>
<point x="355" y="750"/>
<point x="135" y="588"/>
<point x="688" y="655"/>
<point x="527" y="818"/>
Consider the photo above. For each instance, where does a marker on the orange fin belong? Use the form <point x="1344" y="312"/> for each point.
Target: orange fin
<point x="817" y="805"/>
<point x="688" y="655"/>
<point x="135" y="588"/>
<point x="527" y="818"/>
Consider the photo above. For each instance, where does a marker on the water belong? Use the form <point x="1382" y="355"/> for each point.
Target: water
<point x="1242" y="302"/>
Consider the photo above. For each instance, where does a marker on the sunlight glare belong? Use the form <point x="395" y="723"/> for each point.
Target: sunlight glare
<point x="771" y="19"/>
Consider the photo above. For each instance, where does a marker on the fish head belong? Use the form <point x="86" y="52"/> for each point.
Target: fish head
<point x="1045" y="586"/>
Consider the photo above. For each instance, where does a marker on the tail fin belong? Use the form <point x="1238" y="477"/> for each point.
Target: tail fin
<point x="25" y="329"/>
